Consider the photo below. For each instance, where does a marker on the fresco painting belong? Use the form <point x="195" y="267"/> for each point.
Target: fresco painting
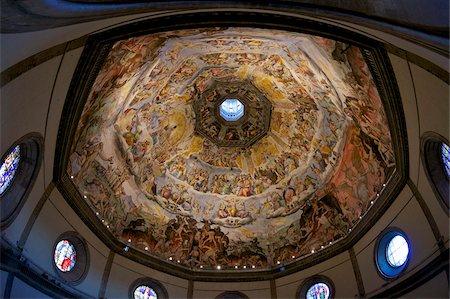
<point x="151" y="178"/>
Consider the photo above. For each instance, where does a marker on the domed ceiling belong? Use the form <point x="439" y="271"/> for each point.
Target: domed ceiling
<point x="168" y="173"/>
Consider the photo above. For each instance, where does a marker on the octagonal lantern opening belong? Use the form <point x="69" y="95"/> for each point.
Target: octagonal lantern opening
<point x="231" y="110"/>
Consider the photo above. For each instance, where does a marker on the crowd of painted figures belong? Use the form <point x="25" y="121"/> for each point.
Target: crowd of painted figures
<point x="152" y="179"/>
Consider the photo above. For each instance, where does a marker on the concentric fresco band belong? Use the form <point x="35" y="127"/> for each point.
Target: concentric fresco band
<point x="167" y="175"/>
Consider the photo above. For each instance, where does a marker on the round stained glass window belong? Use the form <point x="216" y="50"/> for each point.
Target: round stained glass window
<point x="144" y="292"/>
<point x="318" y="291"/>
<point x="316" y="287"/>
<point x="9" y="168"/>
<point x="147" y="288"/>
<point x="397" y="251"/>
<point x="65" y="256"/>
<point x="446" y="158"/>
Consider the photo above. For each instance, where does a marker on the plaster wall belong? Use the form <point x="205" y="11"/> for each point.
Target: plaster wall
<point x="434" y="288"/>
<point x="338" y="269"/>
<point x="22" y="290"/>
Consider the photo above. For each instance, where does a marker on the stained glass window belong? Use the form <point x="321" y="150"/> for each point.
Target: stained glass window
<point x="65" y="256"/>
<point x="231" y="109"/>
<point x="144" y="292"/>
<point x="318" y="291"/>
<point x="397" y="251"/>
<point x="446" y="158"/>
<point x="9" y="168"/>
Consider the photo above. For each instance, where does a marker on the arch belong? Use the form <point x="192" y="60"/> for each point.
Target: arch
<point x="31" y="148"/>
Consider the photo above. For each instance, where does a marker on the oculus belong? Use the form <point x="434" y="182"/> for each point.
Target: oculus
<point x="232" y="110"/>
<point x="65" y="256"/>
<point x="392" y="253"/>
<point x="71" y="257"/>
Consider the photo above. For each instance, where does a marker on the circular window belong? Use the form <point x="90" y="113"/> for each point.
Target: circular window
<point x="70" y="257"/>
<point x="144" y="292"/>
<point x="65" y="256"/>
<point x="147" y="288"/>
<point x="9" y="168"/>
<point x="436" y="159"/>
<point x="318" y="291"/>
<point x="231" y="109"/>
<point x="397" y="251"/>
<point x="18" y="171"/>
<point x="392" y="253"/>
<point x="316" y="287"/>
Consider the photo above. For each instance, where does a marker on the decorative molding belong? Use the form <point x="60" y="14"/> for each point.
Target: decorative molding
<point x="31" y="15"/>
<point x="273" y="289"/>
<point x="37" y="209"/>
<point x="357" y="272"/>
<point x="190" y="292"/>
<point x="8" y="285"/>
<point x="27" y="64"/>
<point x="427" y="65"/>
<point x="91" y="61"/>
<point x="426" y="211"/>
<point x="105" y="277"/>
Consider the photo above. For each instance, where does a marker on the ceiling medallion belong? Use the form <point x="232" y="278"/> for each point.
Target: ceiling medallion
<point x="232" y="114"/>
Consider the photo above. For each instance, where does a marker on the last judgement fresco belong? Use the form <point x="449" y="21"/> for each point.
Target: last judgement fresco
<point x="160" y="186"/>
